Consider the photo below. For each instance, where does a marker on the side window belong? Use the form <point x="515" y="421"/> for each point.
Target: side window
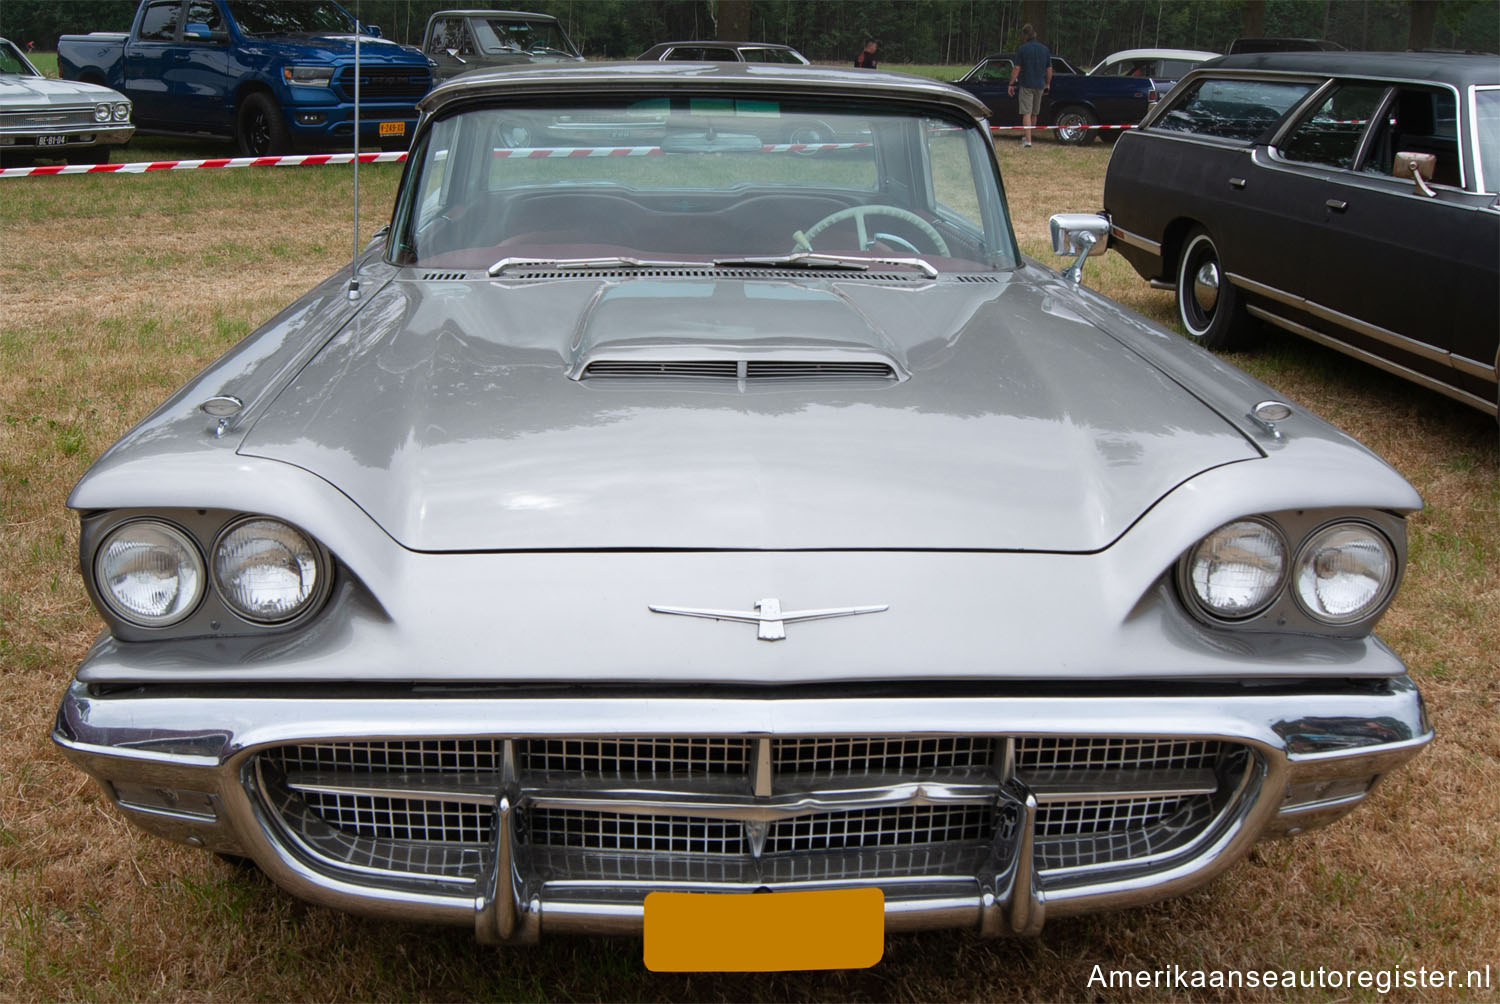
<point x="1231" y="109"/>
<point x="1487" y="128"/>
<point x="1418" y="120"/>
<point x="996" y="69"/>
<point x="691" y="54"/>
<point x="203" y="22"/>
<point x="159" y="23"/>
<point x="1330" y="135"/>
<point x="437" y="40"/>
<point x="757" y="55"/>
<point x="952" y="172"/>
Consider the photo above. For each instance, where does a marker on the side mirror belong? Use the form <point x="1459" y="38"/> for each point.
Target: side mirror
<point x="1083" y="234"/>
<point x="373" y="30"/>
<point x="1420" y="167"/>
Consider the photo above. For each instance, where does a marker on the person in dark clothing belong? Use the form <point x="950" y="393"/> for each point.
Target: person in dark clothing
<point x="866" y="58"/>
<point x="1033" y="72"/>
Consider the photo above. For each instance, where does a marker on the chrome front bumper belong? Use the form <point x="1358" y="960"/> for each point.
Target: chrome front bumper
<point x="191" y="764"/>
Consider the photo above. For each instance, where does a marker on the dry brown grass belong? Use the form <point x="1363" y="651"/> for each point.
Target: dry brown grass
<point x="114" y="290"/>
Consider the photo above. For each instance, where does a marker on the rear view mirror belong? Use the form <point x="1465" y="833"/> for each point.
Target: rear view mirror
<point x="1417" y="166"/>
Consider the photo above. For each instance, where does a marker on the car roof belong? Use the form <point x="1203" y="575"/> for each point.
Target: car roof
<point x="489" y="11"/>
<point x="654" y="78"/>
<point x="722" y="44"/>
<point x="1159" y="54"/>
<point x="1459" y="69"/>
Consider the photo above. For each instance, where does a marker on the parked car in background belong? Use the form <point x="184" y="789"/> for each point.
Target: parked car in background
<point x="724" y="52"/>
<point x="272" y="75"/>
<point x="1164" y="66"/>
<point x="1075" y="104"/>
<point x="718" y="518"/>
<point x="79" y="123"/>
<point x="1278" y="187"/>
<point x="461" y="40"/>
<point x="1243" y="46"/>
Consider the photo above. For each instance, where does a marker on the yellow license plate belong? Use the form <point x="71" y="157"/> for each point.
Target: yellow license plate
<point x="766" y="932"/>
<point x="393" y="128"/>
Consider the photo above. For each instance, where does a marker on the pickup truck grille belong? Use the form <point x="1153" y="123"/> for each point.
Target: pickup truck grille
<point x="382" y="84"/>
<point x="750" y="810"/>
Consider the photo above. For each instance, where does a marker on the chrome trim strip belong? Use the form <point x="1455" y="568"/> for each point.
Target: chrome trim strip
<point x="1354" y="324"/>
<point x="1473" y="367"/>
<point x="1379" y="184"/>
<point x="1135" y="239"/>
<point x="1405" y="373"/>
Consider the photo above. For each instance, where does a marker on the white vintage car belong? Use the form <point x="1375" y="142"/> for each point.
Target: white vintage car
<point x="41" y="117"/>
<point x="711" y="514"/>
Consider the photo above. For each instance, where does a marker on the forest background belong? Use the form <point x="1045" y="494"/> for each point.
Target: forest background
<point x="909" y="31"/>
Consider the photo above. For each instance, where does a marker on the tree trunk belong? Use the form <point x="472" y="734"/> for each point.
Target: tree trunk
<point x="733" y="18"/>
<point x="1034" y="13"/>
<point x="1253" y="19"/>
<point x="1423" y="20"/>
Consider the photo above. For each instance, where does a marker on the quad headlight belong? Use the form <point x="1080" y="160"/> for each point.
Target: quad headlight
<point x="102" y="113"/>
<point x="149" y="573"/>
<point x="1238" y="570"/>
<point x="267" y="571"/>
<point x="121" y="111"/>
<point x="1344" y="573"/>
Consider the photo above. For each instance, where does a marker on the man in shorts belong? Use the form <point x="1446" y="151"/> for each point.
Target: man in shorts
<point x="1033" y="72"/>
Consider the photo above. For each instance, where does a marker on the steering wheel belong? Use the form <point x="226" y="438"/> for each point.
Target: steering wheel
<point x="802" y="239"/>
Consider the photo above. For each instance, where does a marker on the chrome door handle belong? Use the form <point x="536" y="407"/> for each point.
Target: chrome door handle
<point x="1236" y="182"/>
<point x="1337" y="205"/>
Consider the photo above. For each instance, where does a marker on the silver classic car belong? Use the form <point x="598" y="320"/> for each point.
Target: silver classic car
<point x="715" y="515"/>
<point x="43" y="117"/>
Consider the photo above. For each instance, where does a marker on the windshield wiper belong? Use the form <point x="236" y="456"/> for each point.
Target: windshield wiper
<point x="581" y="263"/>
<point x="815" y="260"/>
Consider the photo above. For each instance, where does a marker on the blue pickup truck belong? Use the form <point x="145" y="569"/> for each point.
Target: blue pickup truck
<point x="1075" y="104"/>
<point x="273" y="75"/>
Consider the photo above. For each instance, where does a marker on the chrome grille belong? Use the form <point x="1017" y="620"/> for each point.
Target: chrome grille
<point x="600" y="759"/>
<point x="899" y="755"/>
<point x="639" y="834"/>
<point x="1091" y="816"/>
<point x="385" y="818"/>
<point x="897" y="826"/>
<point x="1070" y="753"/>
<point x="44" y="119"/>
<point x="419" y="755"/>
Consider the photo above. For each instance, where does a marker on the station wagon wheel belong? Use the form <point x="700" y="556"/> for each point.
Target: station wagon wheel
<point x="259" y="128"/>
<point x="1211" y="309"/>
<point x="1073" y="125"/>
<point x="803" y="238"/>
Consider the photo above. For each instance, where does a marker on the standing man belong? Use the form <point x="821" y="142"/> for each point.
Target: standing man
<point x="1033" y="70"/>
<point x="866" y="58"/>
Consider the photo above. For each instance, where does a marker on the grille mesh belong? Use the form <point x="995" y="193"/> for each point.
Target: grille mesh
<point x="1085" y="753"/>
<point x="897" y="826"/>
<point x="1091" y="816"/>
<point x="882" y="755"/>
<point x="414" y="755"/>
<point x="605" y="759"/>
<point x="385" y="818"/>
<point x="639" y="834"/>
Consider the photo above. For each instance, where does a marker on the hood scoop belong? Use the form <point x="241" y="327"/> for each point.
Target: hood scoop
<point x="742" y="370"/>
<point x="793" y="275"/>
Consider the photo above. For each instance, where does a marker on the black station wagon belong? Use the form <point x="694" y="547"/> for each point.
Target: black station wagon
<point x="1347" y="197"/>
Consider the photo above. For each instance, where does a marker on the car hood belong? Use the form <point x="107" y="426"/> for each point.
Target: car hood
<point x="17" y="91"/>
<point x="315" y="48"/>
<point x="453" y="413"/>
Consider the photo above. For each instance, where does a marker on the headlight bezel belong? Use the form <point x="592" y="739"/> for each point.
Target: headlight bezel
<point x="1286" y="613"/>
<point x="213" y="616"/>
<point x="120" y="111"/>
<point x="102" y="112"/>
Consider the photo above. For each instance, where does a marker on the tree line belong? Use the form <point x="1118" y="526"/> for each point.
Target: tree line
<point x="909" y="31"/>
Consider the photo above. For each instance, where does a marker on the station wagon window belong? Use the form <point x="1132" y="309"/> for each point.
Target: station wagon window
<point x="1231" y="109"/>
<point x="1418" y="120"/>
<point x="1330" y="136"/>
<point x="1487" y="128"/>
<point x="697" y="178"/>
<point x="770" y="56"/>
<point x="702" y="54"/>
<point x="159" y="23"/>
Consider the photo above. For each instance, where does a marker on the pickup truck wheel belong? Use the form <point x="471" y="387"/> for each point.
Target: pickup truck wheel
<point x="1073" y="125"/>
<point x="1211" y="309"/>
<point x="260" y="130"/>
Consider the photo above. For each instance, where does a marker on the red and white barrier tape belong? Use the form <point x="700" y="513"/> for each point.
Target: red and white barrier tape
<point x="143" y="167"/>
<point x="995" y="128"/>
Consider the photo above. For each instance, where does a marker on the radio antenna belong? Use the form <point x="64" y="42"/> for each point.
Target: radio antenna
<point x="354" y="256"/>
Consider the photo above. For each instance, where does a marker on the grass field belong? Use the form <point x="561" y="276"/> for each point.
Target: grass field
<point x="115" y="289"/>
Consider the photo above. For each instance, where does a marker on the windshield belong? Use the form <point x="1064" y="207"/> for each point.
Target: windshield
<point x="290" y="17"/>
<point x="11" y="61"/>
<point x="497" y="34"/>
<point x="699" y="179"/>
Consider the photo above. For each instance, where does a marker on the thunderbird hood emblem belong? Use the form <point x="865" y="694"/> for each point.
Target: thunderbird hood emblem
<point x="769" y="616"/>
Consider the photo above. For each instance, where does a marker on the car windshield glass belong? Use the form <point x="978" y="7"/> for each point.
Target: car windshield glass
<point x="1487" y="128"/>
<point x="12" y="62"/>
<point x="285" y="17"/>
<point x="1232" y="109"/>
<point x="516" y="35"/>
<point x="699" y="179"/>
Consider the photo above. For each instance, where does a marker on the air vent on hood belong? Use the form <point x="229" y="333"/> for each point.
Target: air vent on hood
<point x="713" y="273"/>
<point x="731" y="369"/>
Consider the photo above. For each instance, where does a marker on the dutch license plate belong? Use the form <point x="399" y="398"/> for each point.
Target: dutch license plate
<point x="769" y="932"/>
<point x="393" y="128"/>
<point x="52" y="141"/>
